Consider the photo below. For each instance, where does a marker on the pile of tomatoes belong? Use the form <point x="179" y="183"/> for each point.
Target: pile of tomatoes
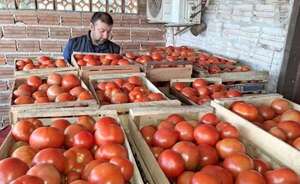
<point x="279" y="119"/>
<point x="97" y="60"/>
<point x="208" y="151"/>
<point x="80" y="153"/>
<point x="125" y="90"/>
<point x="201" y="91"/>
<point x="56" y="88"/>
<point x="27" y="64"/>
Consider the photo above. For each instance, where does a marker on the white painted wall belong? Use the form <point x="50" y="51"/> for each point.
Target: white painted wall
<point x="251" y="31"/>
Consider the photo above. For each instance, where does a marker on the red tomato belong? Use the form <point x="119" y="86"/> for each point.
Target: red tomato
<point x="105" y="121"/>
<point x="70" y="132"/>
<point x="54" y="78"/>
<point x="135" y="80"/>
<point x="46" y="172"/>
<point x="165" y="138"/>
<point x="24" y="153"/>
<point x="39" y="94"/>
<point x="189" y="92"/>
<point x="64" y="97"/>
<point x="46" y="137"/>
<point x="221" y="125"/>
<point x="87" y="122"/>
<point x="203" y="91"/>
<point x="11" y="169"/>
<point x="171" y="163"/>
<point x="199" y="83"/>
<point x="175" y="118"/>
<point x="238" y="162"/>
<point x="210" y="119"/>
<point x="23" y="100"/>
<point x="291" y="115"/>
<point x="77" y="158"/>
<point x="52" y="156"/>
<point x="296" y="143"/>
<point x="111" y="133"/>
<point x="76" y="91"/>
<point x="84" y="139"/>
<point x="70" y="81"/>
<point x="185" y="178"/>
<point x="148" y="132"/>
<point x="185" y="130"/>
<point x="206" y="134"/>
<point x="79" y="182"/>
<point x="119" y="98"/>
<point x="280" y="105"/>
<point x="108" y="151"/>
<point x="88" y="168"/>
<point x="261" y="166"/>
<point x="279" y="133"/>
<point x="228" y="146"/>
<point x="230" y="132"/>
<point x="208" y="155"/>
<point x="125" y="165"/>
<point x="250" y="177"/>
<point x="246" y="110"/>
<point x="266" y="112"/>
<point x="267" y="125"/>
<point x="190" y="154"/>
<point x="60" y="124"/>
<point x="53" y="91"/>
<point x="203" y="178"/>
<point x="179" y="86"/>
<point x="106" y="173"/>
<point x="155" y="96"/>
<point x="222" y="174"/>
<point x="22" y="130"/>
<point x="291" y="128"/>
<point x="26" y="179"/>
<point x="281" y="176"/>
<point x="166" y="124"/>
<point x="156" y="151"/>
<point x="34" y="81"/>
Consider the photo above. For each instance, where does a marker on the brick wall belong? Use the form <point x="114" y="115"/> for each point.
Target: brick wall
<point x="251" y="31"/>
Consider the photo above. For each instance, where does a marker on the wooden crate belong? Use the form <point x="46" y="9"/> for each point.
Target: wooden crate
<point x="126" y="106"/>
<point x="279" y="150"/>
<point x="86" y="71"/>
<point x="43" y="70"/>
<point x="183" y="98"/>
<point x="152" y="115"/>
<point x="70" y="114"/>
<point x="19" y="80"/>
<point x="165" y="71"/>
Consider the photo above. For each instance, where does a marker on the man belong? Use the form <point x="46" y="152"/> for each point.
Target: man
<point x="97" y="39"/>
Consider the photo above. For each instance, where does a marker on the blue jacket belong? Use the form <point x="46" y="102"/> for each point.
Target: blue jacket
<point x="84" y="44"/>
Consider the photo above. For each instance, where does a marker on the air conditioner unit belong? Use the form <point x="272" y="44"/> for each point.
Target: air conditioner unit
<point x="174" y="12"/>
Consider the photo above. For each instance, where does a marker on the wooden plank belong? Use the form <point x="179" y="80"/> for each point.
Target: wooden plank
<point x="166" y="74"/>
<point x="126" y="106"/>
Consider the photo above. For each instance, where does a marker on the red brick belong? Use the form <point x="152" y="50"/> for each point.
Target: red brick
<point x="51" y="46"/>
<point x="79" y="31"/>
<point x="130" y="19"/>
<point x="139" y="35"/>
<point x="60" y="32"/>
<point x="28" y="46"/>
<point x="121" y="34"/>
<point x="37" y="32"/>
<point x="6" y="72"/>
<point x="6" y="18"/>
<point x="86" y="18"/>
<point x="156" y="35"/>
<point x="71" y="19"/>
<point x="14" y="31"/>
<point x="7" y="45"/>
<point x="149" y="45"/>
<point x="132" y="46"/>
<point x="28" y="18"/>
<point x="48" y="18"/>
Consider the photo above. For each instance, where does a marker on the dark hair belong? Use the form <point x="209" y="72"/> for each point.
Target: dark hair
<point x="103" y="16"/>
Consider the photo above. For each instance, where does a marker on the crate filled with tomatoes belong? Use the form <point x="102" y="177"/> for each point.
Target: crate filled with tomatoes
<point x="123" y="91"/>
<point x="275" y="119"/>
<point x="165" y="63"/>
<point x="199" y="91"/>
<point x="102" y="63"/>
<point x="198" y="145"/>
<point x="41" y="65"/>
<point x="72" y="146"/>
<point x="54" y="90"/>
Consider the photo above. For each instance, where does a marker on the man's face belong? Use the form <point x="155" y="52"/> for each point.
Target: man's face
<point x="100" y="32"/>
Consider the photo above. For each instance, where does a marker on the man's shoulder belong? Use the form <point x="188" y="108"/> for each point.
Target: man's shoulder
<point x="78" y="38"/>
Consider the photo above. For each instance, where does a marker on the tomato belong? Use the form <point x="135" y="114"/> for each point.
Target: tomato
<point x="64" y="97"/>
<point x="70" y="81"/>
<point x="17" y="145"/>
<point x="52" y="156"/>
<point x="250" y="177"/>
<point x="291" y="115"/>
<point x="111" y="133"/>
<point x="230" y="132"/>
<point x="266" y="112"/>
<point x="119" y="97"/>
<point x="210" y="119"/>
<point x="26" y="179"/>
<point x="189" y="92"/>
<point x="185" y="131"/>
<point x="53" y="91"/>
<point x="77" y="158"/>
<point x="296" y="143"/>
<point x="221" y="125"/>
<point x="24" y="153"/>
<point x="23" y="100"/>
<point x="203" y="178"/>
<point x="72" y="176"/>
<point x="248" y="111"/>
<point x="155" y="96"/>
<point x="130" y="55"/>
<point x="171" y="163"/>
<point x="46" y="172"/>
<point x="105" y="121"/>
<point x="222" y="174"/>
<point x="22" y="130"/>
<point x="23" y="90"/>
<point x="108" y="151"/>
<point x="34" y="81"/>
<point x="54" y="78"/>
<point x="165" y="138"/>
<point x="88" y="168"/>
<point x="87" y="122"/>
<point x="46" y="137"/>
<point x="228" y="146"/>
<point x="128" y="86"/>
<point x="135" y="80"/>
<point x="185" y="178"/>
<point x="199" y="83"/>
<point x="190" y="154"/>
<point x="106" y="173"/>
<point x="60" y="124"/>
<point x="238" y="162"/>
<point x="84" y="139"/>
<point x="206" y="134"/>
<point x="279" y="133"/>
<point x="11" y="169"/>
<point x="267" y="125"/>
<point x="79" y="182"/>
<point x="166" y="124"/>
<point x="291" y="128"/>
<point x="148" y="132"/>
<point x="76" y="91"/>
<point x="70" y="132"/>
<point x="208" y="155"/>
<point x="125" y="165"/>
<point x="281" y="176"/>
<point x="280" y="105"/>
<point x="156" y="151"/>
<point x="39" y="94"/>
<point x="179" y="86"/>
<point x="44" y="87"/>
<point x="175" y="118"/>
<point x="261" y="166"/>
<point x="233" y="93"/>
<point x="203" y="91"/>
